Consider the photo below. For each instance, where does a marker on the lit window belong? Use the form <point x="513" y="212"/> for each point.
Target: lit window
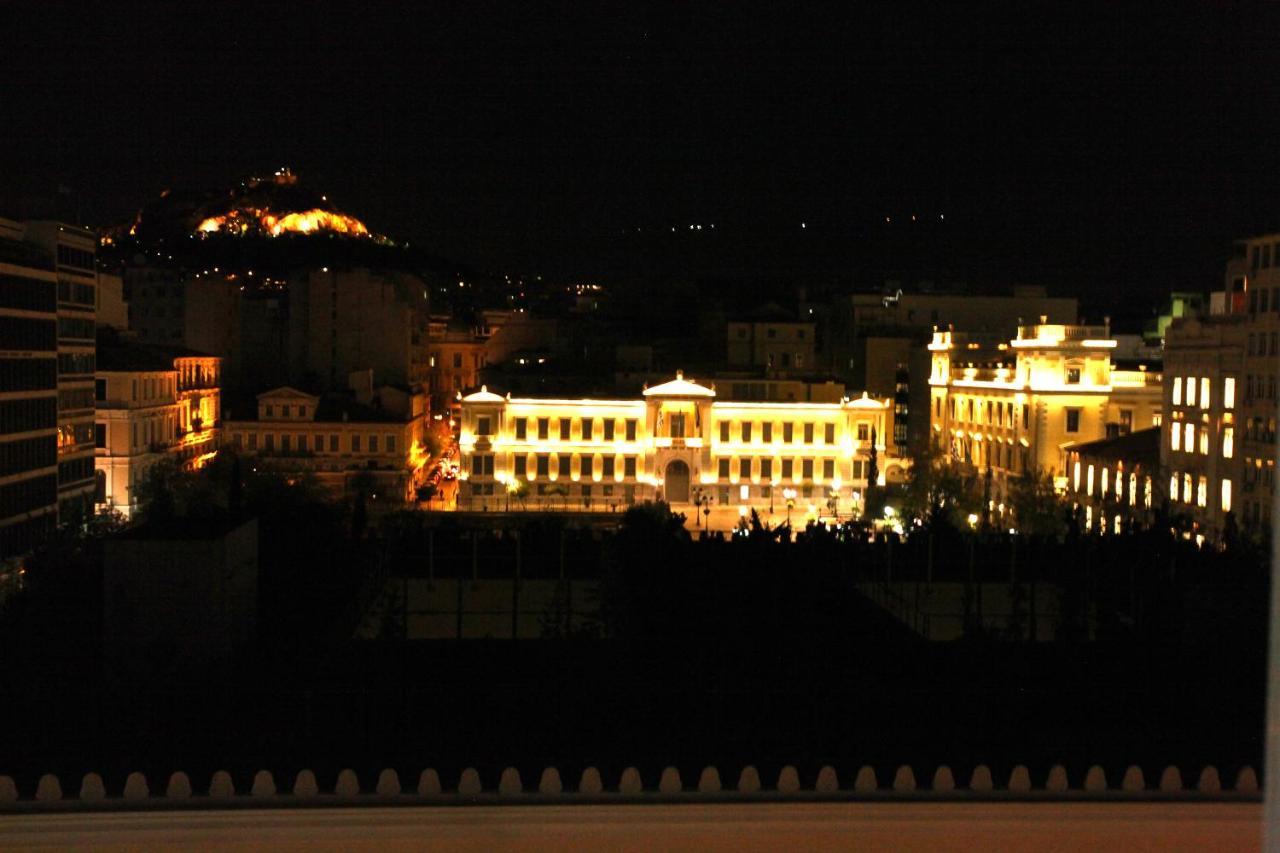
<point x="1229" y="393"/>
<point x="1191" y="390"/>
<point x="1186" y="488"/>
<point x="1228" y="442"/>
<point x="1088" y="481"/>
<point x="1133" y="488"/>
<point x="1075" y="479"/>
<point x="1204" y="392"/>
<point x="1226" y="496"/>
<point x="1204" y="442"/>
<point x="1177" y="390"/>
<point x="744" y="492"/>
<point x="1116" y="525"/>
<point x="1202" y="492"/>
<point x="1146" y="494"/>
<point x="1175" y="435"/>
<point x="1189" y="437"/>
<point x="1106" y="480"/>
<point x="1173" y="486"/>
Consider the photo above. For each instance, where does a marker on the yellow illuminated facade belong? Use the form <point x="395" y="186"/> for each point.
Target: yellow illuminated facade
<point x="676" y="443"/>
<point x="1021" y="406"/>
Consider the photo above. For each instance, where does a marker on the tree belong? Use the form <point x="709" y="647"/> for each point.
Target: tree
<point x="1038" y="509"/>
<point x="938" y="492"/>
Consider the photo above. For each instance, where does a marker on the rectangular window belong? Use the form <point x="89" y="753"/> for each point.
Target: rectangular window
<point x="1229" y="392"/>
<point x="744" y="469"/>
<point x="253" y="441"/>
<point x="1204" y="392"/>
<point x="788" y="468"/>
<point x="355" y="442"/>
<point x="1226" y="496"/>
<point x="566" y="428"/>
<point x="828" y="469"/>
<point x="373" y="444"/>
<point x="543" y="465"/>
<point x="608" y="464"/>
<point x="520" y="465"/>
<point x="631" y="429"/>
<point x="1177" y="390"/>
<point x="483" y="426"/>
<point x="1073" y="420"/>
<point x="562" y="465"/>
<point x="724" y="432"/>
<point x="1073" y="376"/>
<point x="722" y="467"/>
<point x="286" y="441"/>
<point x="864" y="432"/>
<point x="1191" y="390"/>
<point x="1189" y="438"/>
<point x="522" y="429"/>
<point x="100" y="436"/>
<point x="788" y="432"/>
<point x="390" y="443"/>
<point x="1204" y="442"/>
<point x="608" y="429"/>
<point x="588" y="428"/>
<point x="766" y="469"/>
<point x="808" y="433"/>
<point x="806" y="469"/>
<point x="746" y="431"/>
<point x="1202" y="492"/>
<point x="629" y="467"/>
<point x="1228" y="442"/>
<point x="544" y="429"/>
<point x="1175" y="435"/>
<point x="829" y="433"/>
<point x="1186" y="488"/>
<point x="269" y="441"/>
<point x="585" y="465"/>
<point x="1088" y="481"/>
<point x="333" y="443"/>
<point x="766" y="432"/>
<point x="1026" y="416"/>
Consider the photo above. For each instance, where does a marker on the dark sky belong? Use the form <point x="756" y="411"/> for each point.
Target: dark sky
<point x="1109" y="148"/>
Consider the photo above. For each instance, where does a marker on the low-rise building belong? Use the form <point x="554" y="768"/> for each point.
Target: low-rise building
<point x="151" y="402"/>
<point x="1116" y="482"/>
<point x="1020" y="406"/>
<point x="677" y="442"/>
<point x="375" y="443"/>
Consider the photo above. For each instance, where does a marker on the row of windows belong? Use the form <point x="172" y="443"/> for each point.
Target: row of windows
<point x="302" y="442"/>
<point x="72" y="363"/>
<point x="287" y="410"/>
<point x="27" y="294"/>
<point x="1138" y="489"/>
<point x="79" y="258"/>
<point x="747" y="468"/>
<point x="1182" y="438"/>
<point x="72" y="291"/>
<point x="28" y="415"/>
<point x="21" y="333"/>
<point x="586" y="428"/>
<point x="1191" y="384"/>
<point x="28" y="454"/>
<point x="75" y="398"/>
<point x="26" y="495"/>
<point x="76" y="327"/>
<point x="993" y="454"/>
<point x="747" y="430"/>
<point x="586" y="491"/>
<point x="482" y="466"/>
<point x="1258" y="429"/>
<point x="979" y="411"/>
<point x="28" y="374"/>
<point x="1261" y="344"/>
<point x="1189" y="489"/>
<point x="1258" y="472"/>
<point x="75" y="470"/>
<point x="1259" y="388"/>
<point x="22" y="536"/>
<point x="74" y="435"/>
<point x="1258" y="300"/>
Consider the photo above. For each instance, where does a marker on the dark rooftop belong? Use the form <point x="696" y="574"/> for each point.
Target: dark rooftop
<point x="1141" y="445"/>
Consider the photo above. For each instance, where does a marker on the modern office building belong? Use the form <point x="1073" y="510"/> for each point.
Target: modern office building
<point x="1020" y="406"/>
<point x="28" y="393"/>
<point x="74" y="252"/>
<point x="677" y="442"/>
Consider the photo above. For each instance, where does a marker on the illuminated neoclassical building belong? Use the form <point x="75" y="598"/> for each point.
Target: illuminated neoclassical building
<point x="1022" y="405"/>
<point x="676" y="443"/>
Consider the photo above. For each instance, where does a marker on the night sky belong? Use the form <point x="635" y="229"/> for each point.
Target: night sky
<point x="1101" y="149"/>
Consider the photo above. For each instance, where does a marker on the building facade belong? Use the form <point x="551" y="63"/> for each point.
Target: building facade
<point x="74" y="252"/>
<point x="1201" y="445"/>
<point x="772" y="340"/>
<point x="28" y="393"/>
<point x="376" y="444"/>
<point x="1018" y="407"/>
<point x="676" y="443"/>
<point x="1115" y="483"/>
<point x="152" y="402"/>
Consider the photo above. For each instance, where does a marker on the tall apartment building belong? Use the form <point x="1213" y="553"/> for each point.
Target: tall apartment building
<point x="28" y="393"/>
<point x="1202" y="443"/>
<point x="74" y="252"/>
<point x="1019" y="407"/>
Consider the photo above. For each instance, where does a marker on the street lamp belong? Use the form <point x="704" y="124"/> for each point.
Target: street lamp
<point x="790" y="495"/>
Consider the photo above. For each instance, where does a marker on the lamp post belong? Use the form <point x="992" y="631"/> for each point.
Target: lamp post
<point x="790" y="495"/>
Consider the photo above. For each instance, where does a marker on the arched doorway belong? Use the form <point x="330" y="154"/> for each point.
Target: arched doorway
<point x="677" y="482"/>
